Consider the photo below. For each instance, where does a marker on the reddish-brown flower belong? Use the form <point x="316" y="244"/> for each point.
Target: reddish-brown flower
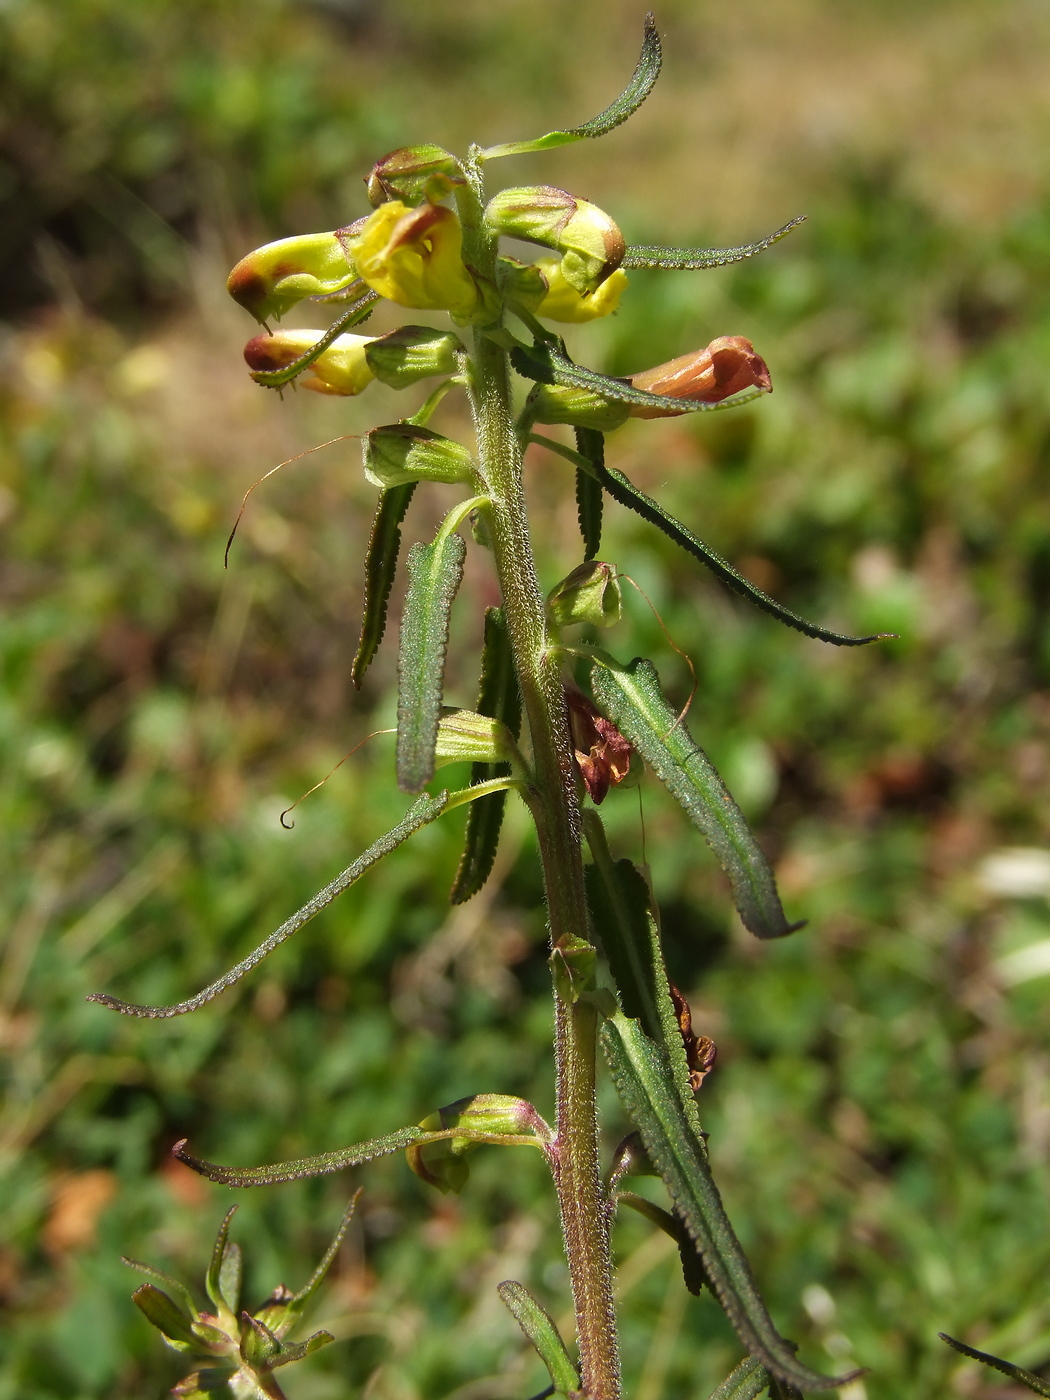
<point x="726" y="367"/>
<point x="603" y="755"/>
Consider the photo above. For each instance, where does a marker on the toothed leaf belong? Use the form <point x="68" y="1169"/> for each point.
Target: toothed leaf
<point x="384" y="544"/>
<point x="1017" y="1373"/>
<point x="589" y="444"/>
<point x="693" y="259"/>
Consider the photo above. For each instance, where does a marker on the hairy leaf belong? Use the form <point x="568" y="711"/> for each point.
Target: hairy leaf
<point x="360" y="311"/>
<point x="1017" y="1373"/>
<point x="542" y="1332"/>
<point x="384" y="544"/>
<point x="635" y="703"/>
<point x="628" y="495"/>
<point x="745" y="1383"/>
<point x="218" y="1274"/>
<point x="500" y="698"/>
<point x="693" y="1272"/>
<point x="590" y="444"/>
<point x="670" y="1130"/>
<point x="693" y="259"/>
<point x="434" y="575"/>
<point x="634" y="94"/>
<point x="301" y="1167"/>
<point x="425" y="809"/>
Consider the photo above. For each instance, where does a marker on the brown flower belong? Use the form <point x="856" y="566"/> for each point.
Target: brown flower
<point x="603" y="755"/>
<point x="726" y="367"/>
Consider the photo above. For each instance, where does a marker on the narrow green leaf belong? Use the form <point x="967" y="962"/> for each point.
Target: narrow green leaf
<point x="633" y="700"/>
<point x="166" y="1316"/>
<point x="305" y="1293"/>
<point x="693" y="259"/>
<point x="634" y="94"/>
<point x="693" y="1271"/>
<point x="425" y="809"/>
<point x="360" y="311"/>
<point x="178" y="1288"/>
<point x="745" y="1383"/>
<point x="1017" y="1373"/>
<point x="298" y="1350"/>
<point x="214" y="1278"/>
<point x="590" y="444"/>
<point x="542" y="1332"/>
<point x="671" y="1132"/>
<point x="624" y="491"/>
<point x="384" y="544"/>
<point x="547" y="363"/>
<point x="619" y="903"/>
<point x="296" y="1170"/>
<point x="499" y="698"/>
<point x="434" y="574"/>
<point x="783" y="1390"/>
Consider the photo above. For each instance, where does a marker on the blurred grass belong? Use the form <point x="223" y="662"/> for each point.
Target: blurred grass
<point x="880" y="1116"/>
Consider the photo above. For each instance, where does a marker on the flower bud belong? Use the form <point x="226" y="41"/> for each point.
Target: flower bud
<point x="603" y="755"/>
<point x="277" y="276"/>
<point x="563" y="302"/>
<point x="466" y="736"/>
<point x="414" y="257"/>
<point x="590" y="243"/>
<point x="411" y="353"/>
<point x="342" y="368"/>
<point x="724" y="368"/>
<point x="403" y="452"/>
<point x="591" y="593"/>
<point x="443" y="1164"/>
<point x="413" y="174"/>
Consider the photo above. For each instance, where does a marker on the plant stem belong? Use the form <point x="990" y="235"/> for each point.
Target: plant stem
<point x="552" y="798"/>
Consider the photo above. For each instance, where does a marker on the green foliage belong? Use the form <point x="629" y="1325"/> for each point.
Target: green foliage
<point x="894" y="482"/>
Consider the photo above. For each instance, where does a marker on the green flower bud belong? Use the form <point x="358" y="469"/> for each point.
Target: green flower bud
<point x="411" y="353"/>
<point x="275" y="277"/>
<point x="591" y="593"/>
<point x="343" y="368"/>
<point x="403" y="452"/>
<point x="413" y="174"/>
<point x="466" y="736"/>
<point x="590" y="243"/>
<point x="443" y="1164"/>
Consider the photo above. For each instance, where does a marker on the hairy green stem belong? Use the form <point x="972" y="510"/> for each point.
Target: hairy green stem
<point x="552" y="798"/>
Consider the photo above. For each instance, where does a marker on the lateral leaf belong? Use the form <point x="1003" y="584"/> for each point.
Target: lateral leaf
<point x="499" y="697"/>
<point x="619" y="903"/>
<point x="360" y="311"/>
<point x="590" y="444"/>
<point x="693" y="1272"/>
<point x="634" y="94"/>
<point x="425" y="809"/>
<point x="547" y="363"/>
<point x="166" y="1316"/>
<point x="540" y="1328"/>
<point x="384" y="545"/>
<point x="177" y="1287"/>
<point x="693" y="259"/>
<point x="302" y="1167"/>
<point x="1017" y="1373"/>
<point x="310" y="1288"/>
<point x="633" y="700"/>
<point x="213" y="1282"/>
<point x="745" y="1383"/>
<point x="434" y="574"/>
<point x="624" y="491"/>
<point x="671" y="1132"/>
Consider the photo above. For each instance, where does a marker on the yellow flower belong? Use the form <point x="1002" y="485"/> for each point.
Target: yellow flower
<point x="564" y="303"/>
<point x="414" y="257"/>
<point x="340" y="369"/>
<point x="277" y="276"/>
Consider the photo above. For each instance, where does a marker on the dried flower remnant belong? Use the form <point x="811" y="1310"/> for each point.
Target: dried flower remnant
<point x="602" y="754"/>
<point x="727" y="366"/>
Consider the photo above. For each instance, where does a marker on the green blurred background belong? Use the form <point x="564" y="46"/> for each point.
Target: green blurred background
<point x="880" y="1115"/>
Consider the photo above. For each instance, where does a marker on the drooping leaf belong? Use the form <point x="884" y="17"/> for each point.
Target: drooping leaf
<point x="542" y="1332"/>
<point x="1017" y="1373"/>
<point x="425" y="809"/>
<point x="360" y="311"/>
<point x="590" y="444"/>
<point x="166" y="1316"/>
<point x="301" y="1167"/>
<point x="384" y="544"/>
<point x="434" y="575"/>
<point x="499" y="697"/>
<point x="213" y="1280"/>
<point x="634" y="94"/>
<point x="745" y="1383"/>
<point x="693" y="259"/>
<point x="547" y="363"/>
<point x="670" y="1130"/>
<point x="627" y="494"/>
<point x="635" y="703"/>
<point x="693" y="1271"/>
